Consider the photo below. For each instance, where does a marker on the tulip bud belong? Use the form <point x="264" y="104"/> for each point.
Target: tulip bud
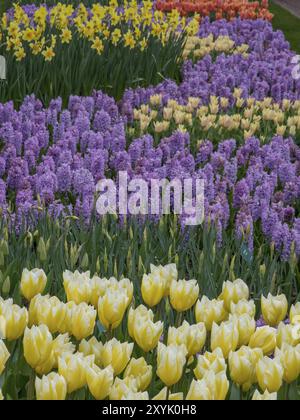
<point x="4" y="356"/>
<point x="51" y="312"/>
<point x="122" y="388"/>
<point x="52" y="387"/>
<point x="290" y="360"/>
<point x="242" y="365"/>
<point x="16" y="320"/>
<point x="153" y="289"/>
<point x="83" y="321"/>
<point x="183" y="294"/>
<point x="99" y="381"/>
<point x="274" y="309"/>
<point x="38" y="345"/>
<point x="265" y="339"/>
<point x="269" y="374"/>
<point x="77" y="286"/>
<point x="210" y="311"/>
<point x="92" y="347"/>
<point x="170" y="363"/>
<point x="213" y="362"/>
<point x="112" y="307"/>
<point x="32" y="283"/>
<point x="246" y="327"/>
<point x="225" y="336"/>
<point x="116" y="354"/>
<point x="142" y="372"/>
<point x="233" y="292"/>
<point x="192" y="336"/>
<point x="162" y="396"/>
<point x="213" y="387"/>
<point x="243" y="307"/>
<point x="266" y="396"/>
<point x="73" y="368"/>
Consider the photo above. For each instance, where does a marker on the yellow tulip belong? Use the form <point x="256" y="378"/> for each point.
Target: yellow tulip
<point x="51" y="312"/>
<point x="183" y="294"/>
<point x="265" y="339"/>
<point x="16" y="320"/>
<point x="83" y="321"/>
<point x="168" y="273"/>
<point x="142" y="372"/>
<point x="32" y="283"/>
<point x="147" y="333"/>
<point x="170" y="363"/>
<point x="73" y="368"/>
<point x="199" y="391"/>
<point x="1" y="396"/>
<point x="47" y="366"/>
<point x="153" y="289"/>
<point x="61" y="345"/>
<point x="242" y="366"/>
<point x="116" y="354"/>
<point x="210" y="311"/>
<point x="122" y="387"/>
<point x="77" y="286"/>
<point x="213" y="362"/>
<point x="274" y="309"/>
<point x="112" y="307"/>
<point x="266" y="396"/>
<point x="269" y="374"/>
<point x="33" y="311"/>
<point x="192" y="336"/>
<point x="287" y="333"/>
<point x="162" y="396"/>
<point x="51" y="387"/>
<point x="225" y="336"/>
<point x="243" y="307"/>
<point x="295" y="313"/>
<point x="99" y="381"/>
<point x="213" y="387"/>
<point x="290" y="359"/>
<point x="124" y="285"/>
<point x="233" y="292"/>
<point x="92" y="347"/>
<point x="98" y="289"/>
<point x="141" y="312"/>
<point x="67" y="325"/>
<point x="246" y="326"/>
<point x="38" y="345"/>
<point x="4" y="356"/>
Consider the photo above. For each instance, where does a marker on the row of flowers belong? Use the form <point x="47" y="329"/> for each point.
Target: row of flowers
<point x="251" y="184"/>
<point x="70" y="352"/>
<point x="226" y="9"/>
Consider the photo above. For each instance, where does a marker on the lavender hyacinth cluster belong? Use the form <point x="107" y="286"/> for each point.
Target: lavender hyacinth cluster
<point x="265" y="72"/>
<point x="54" y="157"/>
